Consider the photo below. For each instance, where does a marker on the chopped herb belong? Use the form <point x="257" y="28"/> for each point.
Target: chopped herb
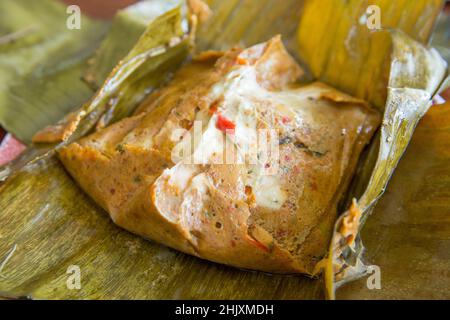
<point x="317" y="153"/>
<point x="303" y="146"/>
<point x="300" y="145"/>
<point x="285" y="140"/>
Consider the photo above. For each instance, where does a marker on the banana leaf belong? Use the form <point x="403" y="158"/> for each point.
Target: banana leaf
<point x="441" y="37"/>
<point x="49" y="224"/>
<point x="118" y="253"/>
<point x="123" y="90"/>
<point x="410" y="94"/>
<point x="66" y="228"/>
<point x="42" y="63"/>
<point x="343" y="51"/>
<point x="407" y="236"/>
<point x="126" y="29"/>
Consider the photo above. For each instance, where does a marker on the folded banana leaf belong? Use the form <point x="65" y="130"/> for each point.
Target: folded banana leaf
<point x="127" y="26"/>
<point x="42" y="63"/>
<point x="410" y="94"/>
<point x="122" y="91"/>
<point x="49" y="224"/>
<point x="344" y="51"/>
<point x="407" y="236"/>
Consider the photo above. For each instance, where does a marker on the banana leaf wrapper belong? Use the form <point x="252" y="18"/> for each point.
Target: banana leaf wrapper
<point x="60" y="226"/>
<point x="346" y="53"/>
<point x="408" y="100"/>
<point x="127" y="27"/>
<point x="407" y="235"/>
<point x="122" y="91"/>
<point x="40" y="58"/>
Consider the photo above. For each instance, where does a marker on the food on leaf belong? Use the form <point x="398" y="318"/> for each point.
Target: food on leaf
<point x="244" y="199"/>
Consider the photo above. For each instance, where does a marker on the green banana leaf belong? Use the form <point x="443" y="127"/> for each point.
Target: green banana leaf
<point x="42" y="63"/>
<point x="49" y="224"/>
<point x="126" y="86"/>
<point x="66" y="228"/>
<point x="127" y="27"/>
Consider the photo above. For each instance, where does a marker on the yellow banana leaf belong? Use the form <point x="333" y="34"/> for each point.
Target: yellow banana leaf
<point x="410" y="92"/>
<point x="407" y="236"/>
<point x="339" y="47"/>
<point x="49" y="225"/>
<point x="244" y="23"/>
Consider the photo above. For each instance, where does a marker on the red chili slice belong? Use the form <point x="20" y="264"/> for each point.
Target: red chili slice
<point x="285" y="120"/>
<point x="241" y="61"/>
<point x="224" y="124"/>
<point x="257" y="244"/>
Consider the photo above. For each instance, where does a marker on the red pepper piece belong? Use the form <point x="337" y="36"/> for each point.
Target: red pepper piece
<point x="224" y="124"/>
<point x="257" y="244"/>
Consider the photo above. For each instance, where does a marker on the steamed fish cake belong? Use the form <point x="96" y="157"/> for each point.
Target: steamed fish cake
<point x="233" y="161"/>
